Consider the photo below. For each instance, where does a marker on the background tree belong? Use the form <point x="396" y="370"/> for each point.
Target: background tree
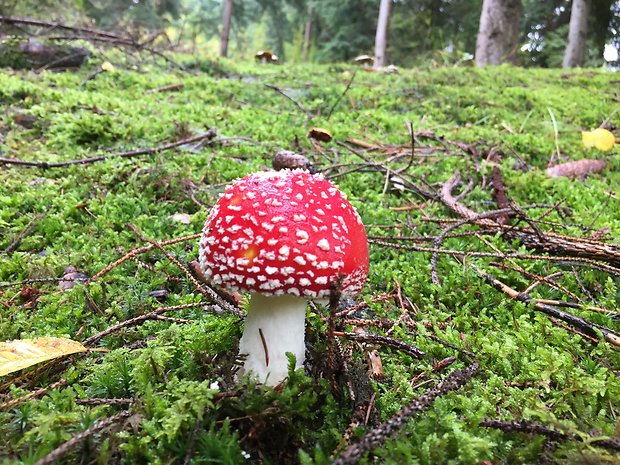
<point x="345" y="28"/>
<point x="382" y="33"/>
<point x="308" y="26"/>
<point x="226" y="20"/>
<point x="443" y="31"/>
<point x="575" y="52"/>
<point x="498" y="35"/>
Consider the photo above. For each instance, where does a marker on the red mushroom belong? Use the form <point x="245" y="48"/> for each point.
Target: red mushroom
<point x="285" y="236"/>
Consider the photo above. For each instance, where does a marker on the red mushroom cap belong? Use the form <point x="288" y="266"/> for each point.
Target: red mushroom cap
<point x="284" y="232"/>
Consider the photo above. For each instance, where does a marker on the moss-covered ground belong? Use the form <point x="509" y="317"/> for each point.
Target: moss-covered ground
<point x="185" y="405"/>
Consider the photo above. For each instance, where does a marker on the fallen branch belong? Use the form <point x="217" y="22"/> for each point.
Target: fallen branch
<point x="12" y="247"/>
<point x="472" y="253"/>
<point x="205" y="290"/>
<point x="576" y="322"/>
<point x="548" y="242"/>
<point x="89" y="34"/>
<point x="209" y="135"/>
<point x="154" y="315"/>
<point x="296" y="102"/>
<point x="384" y="341"/>
<point x="530" y="427"/>
<point x="377" y="436"/>
<point x="55" y="455"/>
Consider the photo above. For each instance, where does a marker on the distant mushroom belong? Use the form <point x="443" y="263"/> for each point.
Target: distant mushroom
<point x="286" y="236"/>
<point x="266" y="56"/>
<point x="364" y="60"/>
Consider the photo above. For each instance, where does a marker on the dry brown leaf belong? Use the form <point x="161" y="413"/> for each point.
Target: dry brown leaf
<point x="576" y="169"/>
<point x="19" y="354"/>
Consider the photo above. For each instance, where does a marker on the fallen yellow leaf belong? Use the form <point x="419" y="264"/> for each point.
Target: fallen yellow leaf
<point x="19" y="354"/>
<point x="600" y="138"/>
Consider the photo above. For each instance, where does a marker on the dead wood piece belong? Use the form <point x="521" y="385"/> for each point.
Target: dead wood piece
<point x="32" y="54"/>
<point x="168" y="88"/>
<point x="377" y="436"/>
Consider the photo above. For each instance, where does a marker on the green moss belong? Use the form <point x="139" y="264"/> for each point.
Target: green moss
<point x="530" y="368"/>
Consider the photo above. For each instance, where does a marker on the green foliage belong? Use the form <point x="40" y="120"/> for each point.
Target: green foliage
<point x="186" y="401"/>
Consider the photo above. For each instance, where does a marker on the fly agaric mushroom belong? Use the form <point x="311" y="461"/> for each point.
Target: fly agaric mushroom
<point x="284" y="236"/>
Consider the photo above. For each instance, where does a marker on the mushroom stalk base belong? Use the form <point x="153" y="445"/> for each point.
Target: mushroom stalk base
<point x="274" y="326"/>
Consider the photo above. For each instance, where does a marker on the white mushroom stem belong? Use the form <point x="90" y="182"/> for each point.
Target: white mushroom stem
<point x="274" y="326"/>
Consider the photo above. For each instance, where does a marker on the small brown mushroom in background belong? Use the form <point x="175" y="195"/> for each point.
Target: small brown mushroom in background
<point x="266" y="56"/>
<point x="285" y="159"/>
<point x="390" y="69"/>
<point x="365" y="60"/>
<point x="24" y="120"/>
<point x="71" y="276"/>
<point x="320" y="134"/>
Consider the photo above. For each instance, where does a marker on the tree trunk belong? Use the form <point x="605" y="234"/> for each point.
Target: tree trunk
<point x="498" y="35"/>
<point x="307" y="35"/>
<point x="226" y="17"/>
<point x="381" y="36"/>
<point x="575" y="53"/>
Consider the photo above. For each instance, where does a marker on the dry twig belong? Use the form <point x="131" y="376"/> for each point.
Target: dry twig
<point x="377" y="436"/>
<point x="209" y="135"/>
<point x="576" y="322"/>
<point x="530" y="427"/>
<point x="55" y="455"/>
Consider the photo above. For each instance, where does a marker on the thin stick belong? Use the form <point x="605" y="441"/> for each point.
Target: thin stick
<point x="299" y="105"/>
<point x="581" y="324"/>
<point x="384" y="341"/>
<point x="27" y="230"/>
<point x="204" y="290"/>
<point x="39" y="392"/>
<point x="140" y="250"/>
<point x="154" y="315"/>
<point x="377" y="436"/>
<point x="530" y="427"/>
<point x="265" y="348"/>
<point x="55" y="455"/>
<point x="469" y="253"/>
<point x="331" y="110"/>
<point x="210" y="134"/>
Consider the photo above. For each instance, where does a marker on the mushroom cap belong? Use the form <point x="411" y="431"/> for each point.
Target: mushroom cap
<point x="284" y="232"/>
<point x="364" y="59"/>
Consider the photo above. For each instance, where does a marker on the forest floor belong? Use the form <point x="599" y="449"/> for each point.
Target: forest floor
<point x="515" y="310"/>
